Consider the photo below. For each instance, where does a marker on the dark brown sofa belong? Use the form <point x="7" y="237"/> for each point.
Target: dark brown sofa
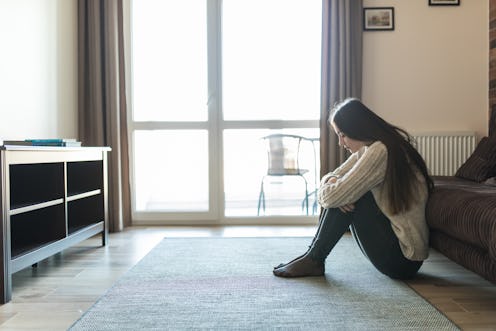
<point x="461" y="212"/>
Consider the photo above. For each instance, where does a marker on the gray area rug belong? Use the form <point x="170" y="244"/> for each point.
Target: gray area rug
<point x="227" y="284"/>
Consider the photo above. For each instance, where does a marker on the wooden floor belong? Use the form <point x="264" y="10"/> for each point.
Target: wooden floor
<point x="57" y="292"/>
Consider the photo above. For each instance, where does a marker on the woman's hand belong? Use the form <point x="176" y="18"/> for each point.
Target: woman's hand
<point x="331" y="180"/>
<point x="347" y="208"/>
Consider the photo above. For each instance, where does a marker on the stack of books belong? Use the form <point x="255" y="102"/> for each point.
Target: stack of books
<point x="63" y="142"/>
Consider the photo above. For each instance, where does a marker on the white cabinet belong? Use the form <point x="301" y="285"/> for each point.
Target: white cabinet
<point x="52" y="198"/>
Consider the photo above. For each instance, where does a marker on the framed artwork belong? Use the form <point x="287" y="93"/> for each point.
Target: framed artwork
<point x="378" y="18"/>
<point x="444" y="2"/>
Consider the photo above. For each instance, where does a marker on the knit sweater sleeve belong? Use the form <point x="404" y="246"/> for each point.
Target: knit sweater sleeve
<point x="342" y="169"/>
<point x="368" y="168"/>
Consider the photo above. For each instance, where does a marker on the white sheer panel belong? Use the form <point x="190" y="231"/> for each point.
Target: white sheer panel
<point x="171" y="170"/>
<point x="169" y="60"/>
<point x="271" y="59"/>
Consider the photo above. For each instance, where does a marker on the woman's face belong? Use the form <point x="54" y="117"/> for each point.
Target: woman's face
<point x="351" y="145"/>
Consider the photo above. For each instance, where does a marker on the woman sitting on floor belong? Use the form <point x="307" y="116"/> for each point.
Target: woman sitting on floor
<point x="379" y="193"/>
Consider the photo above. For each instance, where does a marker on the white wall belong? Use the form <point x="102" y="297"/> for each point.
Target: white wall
<point x="38" y="69"/>
<point x="431" y="72"/>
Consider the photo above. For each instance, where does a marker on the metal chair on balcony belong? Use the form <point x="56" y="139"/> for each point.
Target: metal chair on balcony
<point x="283" y="156"/>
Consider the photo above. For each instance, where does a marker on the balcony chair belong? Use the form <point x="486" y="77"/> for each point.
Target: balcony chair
<point x="283" y="153"/>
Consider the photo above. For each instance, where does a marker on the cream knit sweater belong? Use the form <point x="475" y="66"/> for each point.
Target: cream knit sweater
<point x="364" y="171"/>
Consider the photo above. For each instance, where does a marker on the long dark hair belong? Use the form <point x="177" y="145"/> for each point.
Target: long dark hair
<point x="358" y="122"/>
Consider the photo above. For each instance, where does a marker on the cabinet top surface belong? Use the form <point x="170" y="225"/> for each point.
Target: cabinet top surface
<point x="52" y="148"/>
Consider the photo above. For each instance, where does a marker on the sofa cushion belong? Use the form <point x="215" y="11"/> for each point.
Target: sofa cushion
<point x="482" y="163"/>
<point x="476" y="168"/>
<point x="490" y="181"/>
<point x="465" y="212"/>
<point x="453" y="182"/>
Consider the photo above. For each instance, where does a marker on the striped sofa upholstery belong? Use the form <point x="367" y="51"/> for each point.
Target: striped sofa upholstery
<point x="462" y="218"/>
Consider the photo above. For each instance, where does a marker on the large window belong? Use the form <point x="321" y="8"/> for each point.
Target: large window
<point x="210" y="79"/>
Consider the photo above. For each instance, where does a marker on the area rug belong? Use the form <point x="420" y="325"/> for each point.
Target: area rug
<point x="227" y="284"/>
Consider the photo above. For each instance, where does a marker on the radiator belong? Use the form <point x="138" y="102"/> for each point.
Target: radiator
<point x="445" y="152"/>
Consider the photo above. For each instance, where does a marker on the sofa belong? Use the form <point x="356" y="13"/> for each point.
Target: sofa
<point x="461" y="212"/>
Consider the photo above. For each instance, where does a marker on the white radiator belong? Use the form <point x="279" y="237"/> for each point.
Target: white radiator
<point x="445" y="152"/>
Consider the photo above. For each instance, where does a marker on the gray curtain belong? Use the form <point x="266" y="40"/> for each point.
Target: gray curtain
<point x="341" y="69"/>
<point x="102" y="107"/>
<point x="492" y="121"/>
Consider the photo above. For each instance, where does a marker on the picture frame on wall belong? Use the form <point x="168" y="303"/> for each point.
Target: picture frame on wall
<point x="444" y="2"/>
<point x="378" y="18"/>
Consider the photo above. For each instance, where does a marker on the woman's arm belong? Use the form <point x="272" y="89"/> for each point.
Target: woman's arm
<point x="368" y="171"/>
<point x="341" y="170"/>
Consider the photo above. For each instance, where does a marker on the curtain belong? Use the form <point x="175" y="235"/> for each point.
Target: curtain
<point x="492" y="121"/>
<point x="341" y="69"/>
<point x="102" y="119"/>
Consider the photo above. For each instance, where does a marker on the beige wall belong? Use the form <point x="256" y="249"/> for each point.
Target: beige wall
<point x="38" y="86"/>
<point x="431" y="72"/>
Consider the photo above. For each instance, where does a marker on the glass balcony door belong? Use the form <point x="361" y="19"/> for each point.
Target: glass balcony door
<point x="210" y="79"/>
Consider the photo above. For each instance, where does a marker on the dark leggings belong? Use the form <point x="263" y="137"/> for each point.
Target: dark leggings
<point x="373" y="233"/>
